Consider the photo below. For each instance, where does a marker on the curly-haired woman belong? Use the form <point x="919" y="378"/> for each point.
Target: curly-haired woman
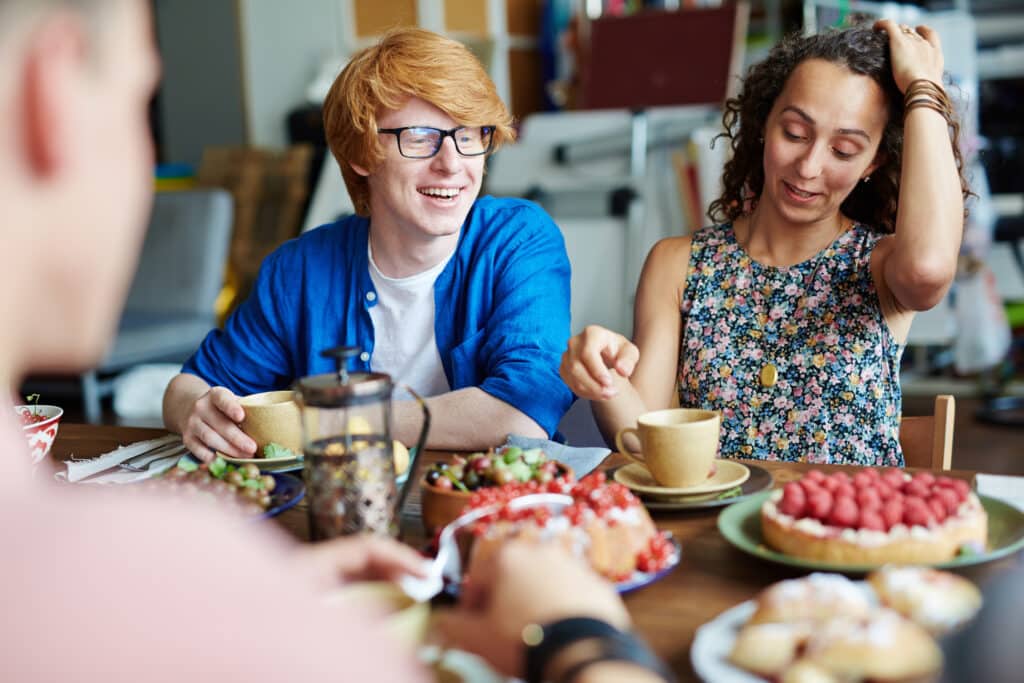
<point x="841" y="216"/>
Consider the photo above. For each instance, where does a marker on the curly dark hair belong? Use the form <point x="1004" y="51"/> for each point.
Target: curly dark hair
<point x="861" y="50"/>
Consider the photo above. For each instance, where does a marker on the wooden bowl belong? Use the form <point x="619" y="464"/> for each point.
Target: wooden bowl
<point x="440" y="507"/>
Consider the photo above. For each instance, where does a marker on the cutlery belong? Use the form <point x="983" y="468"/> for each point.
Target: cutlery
<point x="154" y="452"/>
<point x="446" y="565"/>
<point x="143" y="462"/>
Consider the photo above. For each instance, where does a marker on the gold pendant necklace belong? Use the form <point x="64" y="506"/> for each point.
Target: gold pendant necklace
<point x="769" y="374"/>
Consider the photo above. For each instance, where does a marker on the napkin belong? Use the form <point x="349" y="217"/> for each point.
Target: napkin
<point x="581" y="460"/>
<point x="154" y="455"/>
<point x="1006" y="488"/>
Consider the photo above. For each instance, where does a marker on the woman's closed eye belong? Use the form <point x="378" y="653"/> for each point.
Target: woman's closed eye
<point x="844" y="153"/>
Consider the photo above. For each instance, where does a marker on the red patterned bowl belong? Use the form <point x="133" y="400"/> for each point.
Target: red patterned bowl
<point x="40" y="425"/>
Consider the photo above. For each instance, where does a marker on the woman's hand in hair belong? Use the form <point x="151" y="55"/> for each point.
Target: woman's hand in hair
<point x="916" y="53"/>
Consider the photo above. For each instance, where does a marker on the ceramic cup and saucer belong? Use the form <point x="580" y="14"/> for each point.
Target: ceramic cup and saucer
<point x="728" y="474"/>
<point x="678" y="455"/>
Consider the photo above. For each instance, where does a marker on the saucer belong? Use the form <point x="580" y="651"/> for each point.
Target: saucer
<point x="638" y="478"/>
<point x="260" y="462"/>
<point x="760" y="480"/>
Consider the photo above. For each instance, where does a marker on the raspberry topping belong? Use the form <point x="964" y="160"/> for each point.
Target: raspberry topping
<point x="873" y="498"/>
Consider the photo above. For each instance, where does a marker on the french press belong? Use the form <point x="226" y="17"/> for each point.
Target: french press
<point x="348" y="452"/>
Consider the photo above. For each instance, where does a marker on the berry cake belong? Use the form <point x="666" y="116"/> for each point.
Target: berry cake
<point x="606" y="523"/>
<point x="878" y="516"/>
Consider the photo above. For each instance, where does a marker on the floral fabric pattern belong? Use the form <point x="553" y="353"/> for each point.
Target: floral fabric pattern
<point x="837" y="397"/>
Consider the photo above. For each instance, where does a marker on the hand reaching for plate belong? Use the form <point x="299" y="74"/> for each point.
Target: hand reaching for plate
<point x="525" y="583"/>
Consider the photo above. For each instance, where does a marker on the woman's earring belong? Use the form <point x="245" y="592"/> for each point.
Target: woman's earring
<point x="866" y="179"/>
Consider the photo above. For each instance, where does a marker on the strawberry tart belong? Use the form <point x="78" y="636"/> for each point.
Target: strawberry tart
<point x="606" y="523"/>
<point x="875" y="517"/>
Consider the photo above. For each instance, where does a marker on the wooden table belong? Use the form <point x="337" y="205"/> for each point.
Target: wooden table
<point x="712" y="576"/>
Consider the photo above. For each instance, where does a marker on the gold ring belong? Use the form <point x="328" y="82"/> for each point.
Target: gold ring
<point x="909" y="31"/>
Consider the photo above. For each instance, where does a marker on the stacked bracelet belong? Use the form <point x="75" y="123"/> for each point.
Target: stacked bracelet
<point x="546" y="642"/>
<point x="925" y="93"/>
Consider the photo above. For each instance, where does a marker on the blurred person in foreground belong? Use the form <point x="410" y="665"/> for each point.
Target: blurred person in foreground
<point x="107" y="584"/>
<point x="840" y="218"/>
<point x="117" y="587"/>
<point x="464" y="298"/>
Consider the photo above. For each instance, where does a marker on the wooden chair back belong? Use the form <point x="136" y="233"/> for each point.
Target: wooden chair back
<point x="928" y="441"/>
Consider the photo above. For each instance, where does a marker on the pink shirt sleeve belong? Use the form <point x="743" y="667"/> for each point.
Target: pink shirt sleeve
<point x="123" y="588"/>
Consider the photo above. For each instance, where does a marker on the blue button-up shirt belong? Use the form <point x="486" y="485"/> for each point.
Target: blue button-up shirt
<point x="501" y="311"/>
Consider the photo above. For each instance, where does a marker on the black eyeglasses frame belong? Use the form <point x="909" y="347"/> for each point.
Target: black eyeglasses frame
<point x="397" y="132"/>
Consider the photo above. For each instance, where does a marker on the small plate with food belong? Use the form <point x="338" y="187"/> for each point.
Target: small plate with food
<point x="272" y="454"/>
<point x="600" y="520"/>
<point x="277" y="458"/>
<point x="244" y="488"/>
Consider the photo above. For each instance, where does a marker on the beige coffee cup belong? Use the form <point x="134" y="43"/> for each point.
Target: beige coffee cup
<point x="678" y="445"/>
<point x="272" y="417"/>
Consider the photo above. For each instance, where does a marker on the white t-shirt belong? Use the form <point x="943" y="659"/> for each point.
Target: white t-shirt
<point x="405" y="345"/>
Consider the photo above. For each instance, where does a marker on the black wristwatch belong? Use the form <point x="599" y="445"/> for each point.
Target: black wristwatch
<point x="544" y="642"/>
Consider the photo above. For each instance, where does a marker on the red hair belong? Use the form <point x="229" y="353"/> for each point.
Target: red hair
<point x="406" y="63"/>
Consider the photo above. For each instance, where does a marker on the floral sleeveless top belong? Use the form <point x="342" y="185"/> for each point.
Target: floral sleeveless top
<point x="837" y="395"/>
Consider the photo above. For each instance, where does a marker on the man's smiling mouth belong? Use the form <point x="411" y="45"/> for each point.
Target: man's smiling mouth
<point x="441" y="192"/>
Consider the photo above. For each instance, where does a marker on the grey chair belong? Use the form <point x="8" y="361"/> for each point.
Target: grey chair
<point x="170" y="306"/>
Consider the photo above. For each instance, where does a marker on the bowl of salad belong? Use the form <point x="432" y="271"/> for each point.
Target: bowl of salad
<point x="39" y="424"/>
<point x="447" y="486"/>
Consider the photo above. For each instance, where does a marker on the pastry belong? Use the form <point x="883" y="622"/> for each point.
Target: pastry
<point x="824" y="628"/>
<point x="937" y="601"/>
<point x="881" y="647"/>
<point x="817" y="597"/>
<point x="768" y="649"/>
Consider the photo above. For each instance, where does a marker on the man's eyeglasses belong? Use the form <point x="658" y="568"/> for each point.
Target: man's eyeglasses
<point x="423" y="142"/>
